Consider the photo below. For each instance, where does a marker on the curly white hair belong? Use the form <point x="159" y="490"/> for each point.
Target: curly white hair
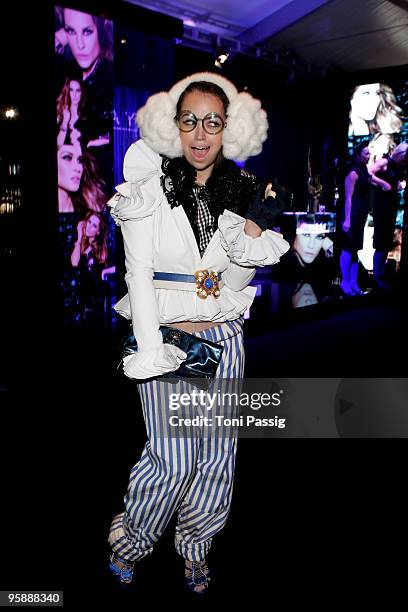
<point x="246" y="129"/>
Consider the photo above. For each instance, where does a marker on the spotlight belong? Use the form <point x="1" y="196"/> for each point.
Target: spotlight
<point x="123" y="41"/>
<point x="10" y="113"/>
<point x="221" y="57"/>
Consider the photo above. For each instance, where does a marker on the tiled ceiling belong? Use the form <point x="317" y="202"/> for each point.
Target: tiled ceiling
<point x="350" y="34"/>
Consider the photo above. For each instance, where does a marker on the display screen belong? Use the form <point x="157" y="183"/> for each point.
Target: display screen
<point x="376" y="112"/>
<point x="311" y="239"/>
<point x="84" y="149"/>
<point x="306" y="272"/>
<point x="378" y="116"/>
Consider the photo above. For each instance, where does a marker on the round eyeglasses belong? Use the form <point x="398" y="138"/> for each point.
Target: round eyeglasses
<point x="212" y="123"/>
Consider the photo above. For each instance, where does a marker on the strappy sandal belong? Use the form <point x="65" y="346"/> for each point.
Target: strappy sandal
<point x="124" y="571"/>
<point x="197" y="576"/>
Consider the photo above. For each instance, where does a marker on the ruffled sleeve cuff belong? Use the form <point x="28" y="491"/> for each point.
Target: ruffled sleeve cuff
<point x="154" y="362"/>
<point x="244" y="250"/>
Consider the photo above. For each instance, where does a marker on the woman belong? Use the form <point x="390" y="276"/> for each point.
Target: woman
<point x="387" y="173"/>
<point x="311" y="254"/>
<point x="69" y="109"/>
<point x="356" y="207"/>
<point x="311" y="239"/>
<point x="80" y="188"/>
<point x="70" y="171"/>
<point x="90" y="41"/>
<point x="92" y="239"/>
<point x="90" y="255"/>
<point x="185" y="208"/>
<point x="374" y="110"/>
<point x="89" y="38"/>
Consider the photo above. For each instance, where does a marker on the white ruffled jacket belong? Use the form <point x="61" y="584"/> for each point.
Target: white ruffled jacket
<point x="158" y="238"/>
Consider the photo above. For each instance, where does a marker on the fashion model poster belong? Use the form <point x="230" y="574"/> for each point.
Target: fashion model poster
<point x="305" y="273"/>
<point x="379" y="116"/>
<point x="84" y="149"/>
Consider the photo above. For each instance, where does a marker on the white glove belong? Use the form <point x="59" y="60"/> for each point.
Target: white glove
<point x="154" y="362"/>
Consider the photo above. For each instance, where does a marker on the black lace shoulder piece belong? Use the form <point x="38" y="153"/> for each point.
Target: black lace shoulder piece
<point x="177" y="182"/>
<point x="228" y="187"/>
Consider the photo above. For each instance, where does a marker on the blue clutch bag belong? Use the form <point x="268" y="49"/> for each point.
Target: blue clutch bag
<point x="203" y="356"/>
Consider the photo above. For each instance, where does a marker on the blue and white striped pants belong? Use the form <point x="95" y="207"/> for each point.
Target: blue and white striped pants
<point x="192" y="475"/>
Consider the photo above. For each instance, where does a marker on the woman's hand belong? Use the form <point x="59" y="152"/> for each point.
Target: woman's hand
<point x="107" y="271"/>
<point x="76" y="252"/>
<point x="327" y="246"/>
<point x="99" y="142"/>
<point x="346" y="225"/>
<point x="269" y="191"/>
<point x="155" y="362"/>
<point x="60" y="40"/>
<point x="265" y="208"/>
<point x="80" y="230"/>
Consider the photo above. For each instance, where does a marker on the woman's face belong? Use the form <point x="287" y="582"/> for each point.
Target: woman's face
<point x="199" y="148"/>
<point x="82" y="36"/>
<point x="92" y="226"/>
<point x="364" y="155"/>
<point x="365" y="101"/>
<point x="75" y="92"/>
<point x="70" y="167"/>
<point x="308" y="242"/>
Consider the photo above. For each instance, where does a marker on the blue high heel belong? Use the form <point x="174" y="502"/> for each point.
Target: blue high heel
<point x="198" y="575"/>
<point x="124" y="574"/>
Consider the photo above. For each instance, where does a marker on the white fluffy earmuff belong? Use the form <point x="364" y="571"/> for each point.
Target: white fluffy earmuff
<point x="247" y="123"/>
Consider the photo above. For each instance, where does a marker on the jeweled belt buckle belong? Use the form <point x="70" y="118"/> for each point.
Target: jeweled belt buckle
<point x="206" y="284"/>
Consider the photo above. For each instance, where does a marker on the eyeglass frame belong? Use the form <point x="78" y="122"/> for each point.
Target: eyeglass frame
<point x="197" y="119"/>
